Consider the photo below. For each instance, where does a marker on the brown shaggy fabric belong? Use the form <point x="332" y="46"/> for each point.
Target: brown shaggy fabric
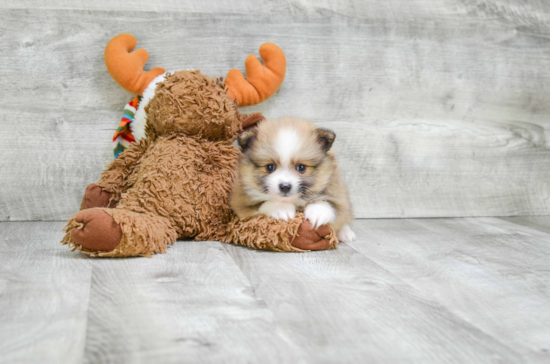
<point x="140" y="234"/>
<point x="114" y="178"/>
<point x="192" y="103"/>
<point x="266" y="233"/>
<point x="176" y="182"/>
<point x="187" y="180"/>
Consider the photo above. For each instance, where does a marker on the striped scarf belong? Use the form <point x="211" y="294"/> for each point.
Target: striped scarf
<point x="123" y="135"/>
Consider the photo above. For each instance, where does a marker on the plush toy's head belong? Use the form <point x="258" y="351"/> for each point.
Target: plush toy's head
<point x="190" y="102"/>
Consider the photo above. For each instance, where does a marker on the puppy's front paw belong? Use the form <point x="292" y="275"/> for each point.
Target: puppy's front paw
<point x="345" y="235"/>
<point x="284" y="212"/>
<point x="278" y="210"/>
<point x="319" y="213"/>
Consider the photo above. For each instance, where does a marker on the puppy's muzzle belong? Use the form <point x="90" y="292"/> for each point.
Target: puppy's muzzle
<point x="285" y="187"/>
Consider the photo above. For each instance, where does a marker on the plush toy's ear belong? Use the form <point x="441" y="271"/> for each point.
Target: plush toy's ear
<point x="251" y="120"/>
<point x="325" y="137"/>
<point x="262" y="81"/>
<point x="247" y="138"/>
<point x="126" y="67"/>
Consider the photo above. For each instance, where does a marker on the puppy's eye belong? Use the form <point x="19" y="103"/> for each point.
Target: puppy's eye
<point x="270" y="167"/>
<point x="301" y="168"/>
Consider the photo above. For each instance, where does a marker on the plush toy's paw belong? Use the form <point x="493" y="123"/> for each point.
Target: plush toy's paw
<point x="319" y="213"/>
<point x="309" y="238"/>
<point x="96" y="197"/>
<point x="278" y="210"/>
<point x="345" y="235"/>
<point x="99" y="231"/>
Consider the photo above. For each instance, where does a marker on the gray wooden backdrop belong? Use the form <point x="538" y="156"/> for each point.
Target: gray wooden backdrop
<point x="441" y="107"/>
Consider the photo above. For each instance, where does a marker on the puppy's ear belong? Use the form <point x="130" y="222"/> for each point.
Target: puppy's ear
<point x="325" y="137"/>
<point x="246" y="139"/>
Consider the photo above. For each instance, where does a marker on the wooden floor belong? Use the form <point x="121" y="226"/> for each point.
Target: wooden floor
<point x="415" y="290"/>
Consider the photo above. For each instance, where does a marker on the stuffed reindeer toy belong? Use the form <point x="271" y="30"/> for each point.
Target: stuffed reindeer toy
<point x="174" y="181"/>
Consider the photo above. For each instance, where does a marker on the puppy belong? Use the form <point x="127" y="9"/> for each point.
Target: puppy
<point x="287" y="166"/>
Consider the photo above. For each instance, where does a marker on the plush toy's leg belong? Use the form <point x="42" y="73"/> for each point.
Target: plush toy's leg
<point x="266" y="233"/>
<point x="308" y="238"/>
<point x="118" y="233"/>
<point x="94" y="196"/>
<point x="94" y="229"/>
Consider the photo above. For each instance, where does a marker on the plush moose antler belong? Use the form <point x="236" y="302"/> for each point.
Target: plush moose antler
<point x="262" y="81"/>
<point x="126" y="67"/>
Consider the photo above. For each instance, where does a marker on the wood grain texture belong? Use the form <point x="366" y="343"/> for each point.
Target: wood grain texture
<point x="423" y="291"/>
<point x="528" y="12"/>
<point x="441" y="108"/>
<point x="44" y="294"/>
<point x="337" y="302"/>
<point x="191" y="305"/>
<point x="541" y="223"/>
<point x="489" y="272"/>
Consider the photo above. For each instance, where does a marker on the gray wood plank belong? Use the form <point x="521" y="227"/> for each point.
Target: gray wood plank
<point x="541" y="223"/>
<point x="425" y="290"/>
<point x="44" y="292"/>
<point x="192" y="304"/>
<point x="528" y="12"/>
<point x="489" y="272"/>
<point x="446" y="117"/>
<point x="339" y="306"/>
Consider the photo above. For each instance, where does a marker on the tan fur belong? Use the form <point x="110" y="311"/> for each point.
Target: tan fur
<point x="176" y="183"/>
<point x="322" y="170"/>
<point x="191" y="103"/>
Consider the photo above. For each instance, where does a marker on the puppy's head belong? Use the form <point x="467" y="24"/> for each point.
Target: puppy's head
<point x="286" y="159"/>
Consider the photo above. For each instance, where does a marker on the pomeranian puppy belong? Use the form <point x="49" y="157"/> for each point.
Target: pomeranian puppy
<point x="287" y="166"/>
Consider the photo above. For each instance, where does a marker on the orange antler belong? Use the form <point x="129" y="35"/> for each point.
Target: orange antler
<point x="262" y="81"/>
<point x="127" y="68"/>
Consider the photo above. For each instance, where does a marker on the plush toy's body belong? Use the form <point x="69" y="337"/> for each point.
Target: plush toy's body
<point x="175" y="182"/>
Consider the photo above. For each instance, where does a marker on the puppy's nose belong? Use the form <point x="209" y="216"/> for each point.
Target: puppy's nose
<point x="285" y="187"/>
